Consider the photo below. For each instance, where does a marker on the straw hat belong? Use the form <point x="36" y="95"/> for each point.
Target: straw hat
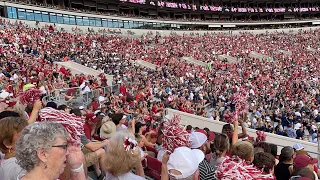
<point x="108" y="129"/>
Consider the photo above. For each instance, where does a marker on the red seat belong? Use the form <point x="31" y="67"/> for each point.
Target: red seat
<point x="154" y="168"/>
<point x="152" y="150"/>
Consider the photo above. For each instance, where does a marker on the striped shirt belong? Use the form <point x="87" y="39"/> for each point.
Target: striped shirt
<point x="207" y="172"/>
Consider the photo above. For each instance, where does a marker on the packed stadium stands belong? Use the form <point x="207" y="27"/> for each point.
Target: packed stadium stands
<point x="111" y="104"/>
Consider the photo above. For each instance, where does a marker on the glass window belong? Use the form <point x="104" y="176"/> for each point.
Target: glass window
<point x="29" y="15"/>
<point x="72" y="20"/>
<point x="98" y="22"/>
<point x="115" y="23"/>
<point x="141" y="24"/>
<point x="134" y="24"/>
<point x="126" y="24"/>
<point x="66" y="19"/>
<point x="92" y="22"/>
<point x="37" y="16"/>
<point x="12" y="12"/>
<point x="21" y="14"/>
<point x="165" y="25"/>
<point x="53" y="17"/>
<point x="150" y="25"/>
<point x="79" y="21"/>
<point x="59" y="18"/>
<point x="85" y="21"/>
<point x="131" y="24"/>
<point x="110" y="24"/>
<point x="104" y="22"/>
<point x="120" y="23"/>
<point x="156" y="25"/>
<point x="45" y="17"/>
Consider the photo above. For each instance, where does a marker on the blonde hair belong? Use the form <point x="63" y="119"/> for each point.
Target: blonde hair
<point x="243" y="150"/>
<point x="118" y="160"/>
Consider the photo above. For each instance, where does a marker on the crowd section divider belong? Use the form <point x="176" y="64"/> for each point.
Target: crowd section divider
<point x="230" y="59"/>
<point x="145" y="64"/>
<point x="191" y="60"/>
<point x="258" y="55"/>
<point x="77" y="68"/>
<point x="216" y="126"/>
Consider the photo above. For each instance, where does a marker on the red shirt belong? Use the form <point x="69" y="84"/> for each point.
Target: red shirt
<point x="123" y="90"/>
<point x="63" y="70"/>
<point x="154" y="109"/>
<point x="87" y="130"/>
<point x="95" y="105"/>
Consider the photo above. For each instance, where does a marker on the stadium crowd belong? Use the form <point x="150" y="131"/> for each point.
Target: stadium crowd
<point x="197" y="17"/>
<point x="126" y="130"/>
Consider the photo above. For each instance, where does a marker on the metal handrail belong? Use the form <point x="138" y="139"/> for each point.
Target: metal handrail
<point x="58" y="95"/>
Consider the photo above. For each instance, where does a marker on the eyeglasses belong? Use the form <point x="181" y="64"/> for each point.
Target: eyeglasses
<point x="63" y="146"/>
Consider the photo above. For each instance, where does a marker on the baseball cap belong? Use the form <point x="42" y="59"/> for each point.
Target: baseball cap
<point x="185" y="160"/>
<point x="197" y="139"/>
<point x="52" y="105"/>
<point x="298" y="147"/>
<point x="210" y="135"/>
<point x="4" y="95"/>
<point x="302" y="160"/>
<point x="297" y="114"/>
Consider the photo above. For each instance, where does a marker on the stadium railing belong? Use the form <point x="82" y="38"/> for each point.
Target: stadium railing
<point x="59" y="95"/>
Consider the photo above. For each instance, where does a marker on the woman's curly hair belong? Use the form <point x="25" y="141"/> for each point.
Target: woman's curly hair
<point x="35" y="136"/>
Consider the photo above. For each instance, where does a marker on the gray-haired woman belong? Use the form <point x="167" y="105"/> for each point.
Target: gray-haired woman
<point x="43" y="151"/>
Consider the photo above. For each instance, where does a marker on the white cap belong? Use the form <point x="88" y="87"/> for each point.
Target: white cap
<point x="81" y="107"/>
<point x="4" y="95"/>
<point x="297" y="114"/>
<point x="298" y="147"/>
<point x="197" y="139"/>
<point x="185" y="160"/>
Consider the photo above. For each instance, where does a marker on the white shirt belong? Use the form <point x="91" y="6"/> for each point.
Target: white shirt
<point x="10" y="170"/>
<point x="124" y="126"/>
<point x="252" y="92"/>
<point x="43" y="90"/>
<point x="161" y="152"/>
<point x="191" y="96"/>
<point x="127" y="176"/>
<point x="297" y="126"/>
<point x="101" y="98"/>
<point x="85" y="90"/>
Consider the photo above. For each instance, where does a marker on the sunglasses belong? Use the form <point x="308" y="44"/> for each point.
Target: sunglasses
<point x="63" y="146"/>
